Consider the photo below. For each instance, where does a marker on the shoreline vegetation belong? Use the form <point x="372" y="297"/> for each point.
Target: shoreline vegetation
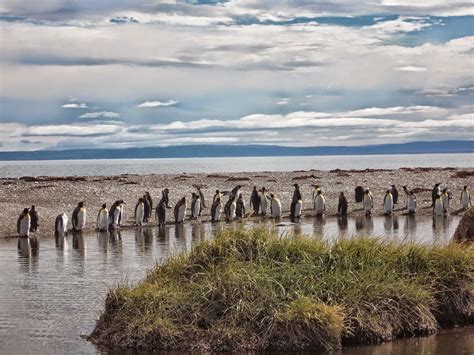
<point x="252" y="290"/>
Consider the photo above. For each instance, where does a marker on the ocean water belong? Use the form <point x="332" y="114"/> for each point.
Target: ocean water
<point x="220" y="165"/>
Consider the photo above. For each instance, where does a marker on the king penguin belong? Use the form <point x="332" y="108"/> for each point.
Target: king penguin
<point x="388" y="203"/>
<point x="139" y="212"/>
<point x="438" y="209"/>
<point x="216" y="209"/>
<point x="465" y="198"/>
<point x="319" y="203"/>
<point x="79" y="216"/>
<point x="195" y="206"/>
<point x="368" y="202"/>
<point x="180" y="210"/>
<point x="103" y="219"/>
<point x="23" y="223"/>
<point x="255" y="201"/>
<point x="275" y="207"/>
<point x="161" y="208"/>
<point x="296" y="203"/>
<point x="230" y="208"/>
<point x="60" y="225"/>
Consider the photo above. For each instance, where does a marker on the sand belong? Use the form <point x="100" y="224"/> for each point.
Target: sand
<point x="54" y="195"/>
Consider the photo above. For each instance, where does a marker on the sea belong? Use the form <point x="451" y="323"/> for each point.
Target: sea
<point x="92" y="167"/>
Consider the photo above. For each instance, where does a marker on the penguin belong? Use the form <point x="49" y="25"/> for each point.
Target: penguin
<point x="150" y="204"/>
<point x="103" y="219"/>
<point x="394" y="193"/>
<point x="79" y="216"/>
<point x="445" y="200"/>
<point x="275" y="207"/>
<point x="263" y="202"/>
<point x="23" y="223"/>
<point x="146" y="209"/>
<point x="388" y="203"/>
<point x="216" y="209"/>
<point x="230" y="208"/>
<point x="115" y="214"/>
<point x="411" y="203"/>
<point x="201" y="197"/>
<point x="34" y="219"/>
<point x="315" y="193"/>
<point x="195" y="206"/>
<point x="359" y="194"/>
<point x="434" y="194"/>
<point x="319" y="203"/>
<point x="438" y="209"/>
<point x="140" y="212"/>
<point x="160" y="212"/>
<point x="255" y="201"/>
<point x="235" y="191"/>
<point x="240" y="207"/>
<point x="368" y="202"/>
<point x="342" y="205"/>
<point x="217" y="195"/>
<point x="296" y="203"/>
<point x="180" y="210"/>
<point x="465" y="198"/>
<point x="60" y="225"/>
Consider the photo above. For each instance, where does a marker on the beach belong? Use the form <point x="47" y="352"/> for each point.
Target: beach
<point x="55" y="195"/>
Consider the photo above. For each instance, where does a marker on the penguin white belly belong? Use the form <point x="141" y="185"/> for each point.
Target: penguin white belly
<point x="276" y="209"/>
<point x="388" y="205"/>
<point x="103" y="222"/>
<point x="465" y="200"/>
<point x="116" y="217"/>
<point x="438" y="208"/>
<point x="197" y="208"/>
<point x="63" y="226"/>
<point x="140" y="214"/>
<point x="232" y="208"/>
<point x="411" y="204"/>
<point x="81" y="219"/>
<point x="263" y="205"/>
<point x="445" y="200"/>
<point x="298" y="208"/>
<point x="217" y="213"/>
<point x="368" y="204"/>
<point x="121" y="215"/>
<point x="25" y="224"/>
<point x="319" y="205"/>
<point x="181" y="213"/>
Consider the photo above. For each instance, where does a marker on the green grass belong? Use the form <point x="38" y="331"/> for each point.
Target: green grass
<point x="250" y="290"/>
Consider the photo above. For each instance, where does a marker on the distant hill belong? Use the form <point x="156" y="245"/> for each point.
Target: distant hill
<point x="200" y="151"/>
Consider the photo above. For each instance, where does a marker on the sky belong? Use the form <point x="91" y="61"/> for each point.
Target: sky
<point x="128" y="73"/>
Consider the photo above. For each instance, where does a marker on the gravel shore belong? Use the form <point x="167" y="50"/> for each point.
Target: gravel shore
<point x="54" y="195"/>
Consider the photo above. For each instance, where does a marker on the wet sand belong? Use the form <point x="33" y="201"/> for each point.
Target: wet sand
<point x="54" y="195"/>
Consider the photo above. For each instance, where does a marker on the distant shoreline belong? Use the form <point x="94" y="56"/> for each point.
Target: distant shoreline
<point x="231" y="151"/>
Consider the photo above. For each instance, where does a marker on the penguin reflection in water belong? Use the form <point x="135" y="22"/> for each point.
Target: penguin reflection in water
<point x="161" y="208"/>
<point x="103" y="219"/>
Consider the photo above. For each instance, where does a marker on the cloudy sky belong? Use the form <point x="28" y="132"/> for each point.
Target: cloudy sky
<point x="127" y="73"/>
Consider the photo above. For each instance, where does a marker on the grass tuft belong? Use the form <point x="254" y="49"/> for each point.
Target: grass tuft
<point x="252" y="290"/>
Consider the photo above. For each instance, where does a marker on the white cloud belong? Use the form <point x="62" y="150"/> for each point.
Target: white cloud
<point x="75" y="105"/>
<point x="412" y="68"/>
<point x="401" y="24"/>
<point x="73" y="130"/>
<point x="158" y="103"/>
<point x="283" y="101"/>
<point x="102" y="114"/>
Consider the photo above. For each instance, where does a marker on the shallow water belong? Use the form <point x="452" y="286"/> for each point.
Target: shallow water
<point x="226" y="165"/>
<point x="51" y="294"/>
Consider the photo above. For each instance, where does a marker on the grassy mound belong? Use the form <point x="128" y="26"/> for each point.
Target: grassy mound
<point x="250" y="290"/>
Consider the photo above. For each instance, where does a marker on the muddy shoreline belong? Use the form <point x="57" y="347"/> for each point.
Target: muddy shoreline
<point x="54" y="195"/>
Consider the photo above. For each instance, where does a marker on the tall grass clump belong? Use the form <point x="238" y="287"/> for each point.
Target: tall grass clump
<point x="251" y="290"/>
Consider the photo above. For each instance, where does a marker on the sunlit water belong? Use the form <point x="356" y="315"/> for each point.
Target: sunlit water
<point x="220" y="165"/>
<point x="51" y="294"/>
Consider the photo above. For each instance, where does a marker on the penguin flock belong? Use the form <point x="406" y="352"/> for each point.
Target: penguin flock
<point x="262" y="203"/>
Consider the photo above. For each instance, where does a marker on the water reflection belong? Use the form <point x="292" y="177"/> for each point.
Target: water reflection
<point x="410" y="225"/>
